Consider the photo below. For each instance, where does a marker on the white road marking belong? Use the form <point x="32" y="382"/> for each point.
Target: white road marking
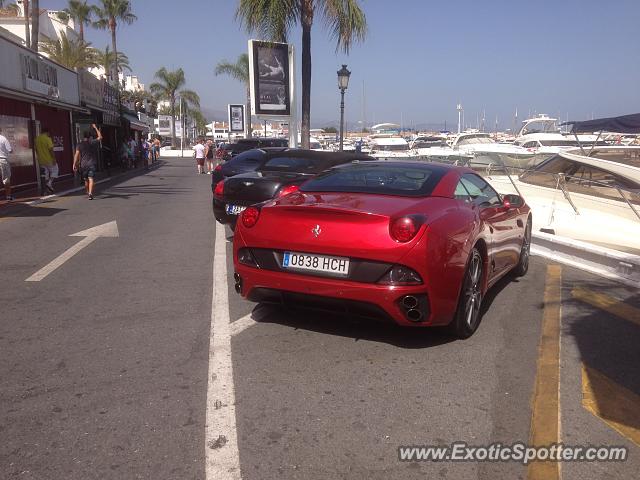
<point x="109" y="229"/>
<point x="257" y="315"/>
<point x="221" y="438"/>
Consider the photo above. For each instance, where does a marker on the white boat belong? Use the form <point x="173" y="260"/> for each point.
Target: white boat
<point x="477" y="149"/>
<point x="389" y="146"/>
<point x="541" y="135"/>
<point x="582" y="198"/>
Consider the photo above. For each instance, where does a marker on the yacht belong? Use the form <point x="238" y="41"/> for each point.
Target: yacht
<point x="580" y="197"/>
<point x="479" y="149"/>
<point x="389" y="146"/>
<point x="541" y="135"/>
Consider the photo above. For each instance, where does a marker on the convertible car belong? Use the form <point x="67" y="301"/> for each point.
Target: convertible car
<point x="277" y="172"/>
<point x="417" y="243"/>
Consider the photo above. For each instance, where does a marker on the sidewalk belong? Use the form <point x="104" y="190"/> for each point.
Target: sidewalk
<point x="65" y="187"/>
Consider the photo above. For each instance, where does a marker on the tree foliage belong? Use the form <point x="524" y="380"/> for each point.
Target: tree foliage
<point x="274" y="20"/>
<point x="74" y="54"/>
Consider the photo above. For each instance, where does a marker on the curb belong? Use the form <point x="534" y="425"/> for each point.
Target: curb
<point x="605" y="262"/>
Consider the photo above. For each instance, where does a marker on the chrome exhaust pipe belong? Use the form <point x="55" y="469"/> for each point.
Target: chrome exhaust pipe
<point x="409" y="302"/>
<point x="414" y="315"/>
<point x="238" y="283"/>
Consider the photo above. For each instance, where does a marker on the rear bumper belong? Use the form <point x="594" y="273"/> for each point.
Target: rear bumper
<point x="221" y="215"/>
<point x="329" y="294"/>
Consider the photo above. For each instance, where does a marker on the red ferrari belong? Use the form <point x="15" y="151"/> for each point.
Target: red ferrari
<point x="417" y="243"/>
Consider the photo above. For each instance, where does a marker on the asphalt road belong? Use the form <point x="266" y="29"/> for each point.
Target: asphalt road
<point x="105" y="362"/>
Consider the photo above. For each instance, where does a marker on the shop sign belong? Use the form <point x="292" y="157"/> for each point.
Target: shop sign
<point x="39" y="76"/>
<point x="91" y="89"/>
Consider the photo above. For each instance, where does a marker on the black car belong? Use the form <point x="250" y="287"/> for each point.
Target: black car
<point x="281" y="173"/>
<point x="246" y="162"/>
<point x="230" y="150"/>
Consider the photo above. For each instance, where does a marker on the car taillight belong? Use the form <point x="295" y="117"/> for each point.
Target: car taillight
<point x="288" y="190"/>
<point x="219" y="190"/>
<point x="404" y="229"/>
<point x="250" y="217"/>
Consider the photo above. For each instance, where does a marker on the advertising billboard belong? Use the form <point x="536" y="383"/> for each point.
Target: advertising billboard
<point x="270" y="78"/>
<point x="164" y="125"/>
<point x="236" y="118"/>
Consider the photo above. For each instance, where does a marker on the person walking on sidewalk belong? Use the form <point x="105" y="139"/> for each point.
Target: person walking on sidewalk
<point x="5" y="167"/>
<point x="46" y="157"/>
<point x="209" y="154"/>
<point x="199" y="153"/>
<point x="86" y="159"/>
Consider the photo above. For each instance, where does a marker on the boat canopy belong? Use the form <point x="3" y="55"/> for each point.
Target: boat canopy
<point x="622" y="124"/>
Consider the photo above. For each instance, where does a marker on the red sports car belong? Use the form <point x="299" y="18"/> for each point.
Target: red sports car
<point x="417" y="243"/>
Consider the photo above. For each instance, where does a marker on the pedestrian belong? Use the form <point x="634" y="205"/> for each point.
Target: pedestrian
<point x="144" y="147"/>
<point x="86" y="159"/>
<point x="46" y="157"/>
<point x="5" y="167"/>
<point x="209" y="154"/>
<point x="124" y="154"/>
<point x="199" y="154"/>
<point x="133" y="147"/>
<point x="156" y="144"/>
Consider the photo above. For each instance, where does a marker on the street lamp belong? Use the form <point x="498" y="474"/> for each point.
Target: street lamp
<point x="343" y="83"/>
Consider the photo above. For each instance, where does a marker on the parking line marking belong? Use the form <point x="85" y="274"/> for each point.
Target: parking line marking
<point x="612" y="403"/>
<point x="608" y="304"/>
<point x="545" y="408"/>
<point x="257" y="315"/>
<point x="221" y="438"/>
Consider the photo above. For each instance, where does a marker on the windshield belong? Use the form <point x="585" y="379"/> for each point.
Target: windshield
<point x="474" y="140"/>
<point x="387" y="179"/>
<point x="391" y="148"/>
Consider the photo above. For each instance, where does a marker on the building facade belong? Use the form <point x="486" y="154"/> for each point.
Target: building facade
<point x="35" y="93"/>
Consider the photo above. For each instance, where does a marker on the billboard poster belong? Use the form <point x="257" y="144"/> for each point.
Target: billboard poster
<point x="164" y="125"/>
<point x="236" y="118"/>
<point x="270" y="79"/>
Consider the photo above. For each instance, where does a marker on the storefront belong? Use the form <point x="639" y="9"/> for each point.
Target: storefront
<point x="35" y="93"/>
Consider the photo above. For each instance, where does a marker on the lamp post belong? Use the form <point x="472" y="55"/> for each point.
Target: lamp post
<point x="343" y="83"/>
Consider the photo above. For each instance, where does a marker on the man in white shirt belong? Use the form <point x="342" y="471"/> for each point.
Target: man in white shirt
<point x="199" y="150"/>
<point x="5" y="167"/>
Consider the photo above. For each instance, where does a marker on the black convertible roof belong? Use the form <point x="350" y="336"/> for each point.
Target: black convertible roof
<point x="622" y="124"/>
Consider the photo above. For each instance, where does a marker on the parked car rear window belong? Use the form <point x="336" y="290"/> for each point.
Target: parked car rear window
<point x="296" y="164"/>
<point x="387" y="179"/>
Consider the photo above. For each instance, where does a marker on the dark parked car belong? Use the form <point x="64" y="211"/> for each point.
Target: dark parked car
<point x="280" y="173"/>
<point x="230" y="150"/>
<point x="246" y="162"/>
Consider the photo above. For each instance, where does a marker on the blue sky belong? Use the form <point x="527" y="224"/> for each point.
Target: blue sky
<point x="561" y="57"/>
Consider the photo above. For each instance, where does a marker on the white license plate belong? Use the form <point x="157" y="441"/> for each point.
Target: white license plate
<point x="316" y="263"/>
<point x="235" y="209"/>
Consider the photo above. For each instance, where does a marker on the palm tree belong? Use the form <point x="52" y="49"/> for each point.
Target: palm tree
<point x="106" y="59"/>
<point x="240" y="72"/>
<point x="275" y="18"/>
<point x="35" y="24"/>
<point x="109" y="14"/>
<point x="74" y="54"/>
<point x="169" y="87"/>
<point x="80" y="12"/>
<point x="10" y="8"/>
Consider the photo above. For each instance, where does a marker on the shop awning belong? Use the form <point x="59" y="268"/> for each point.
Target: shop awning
<point x="135" y="123"/>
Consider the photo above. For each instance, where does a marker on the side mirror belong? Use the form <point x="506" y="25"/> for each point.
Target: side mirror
<point x="512" y="201"/>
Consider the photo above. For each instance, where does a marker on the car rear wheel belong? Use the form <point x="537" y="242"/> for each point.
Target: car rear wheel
<point x="525" y="252"/>
<point x="467" y="317"/>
